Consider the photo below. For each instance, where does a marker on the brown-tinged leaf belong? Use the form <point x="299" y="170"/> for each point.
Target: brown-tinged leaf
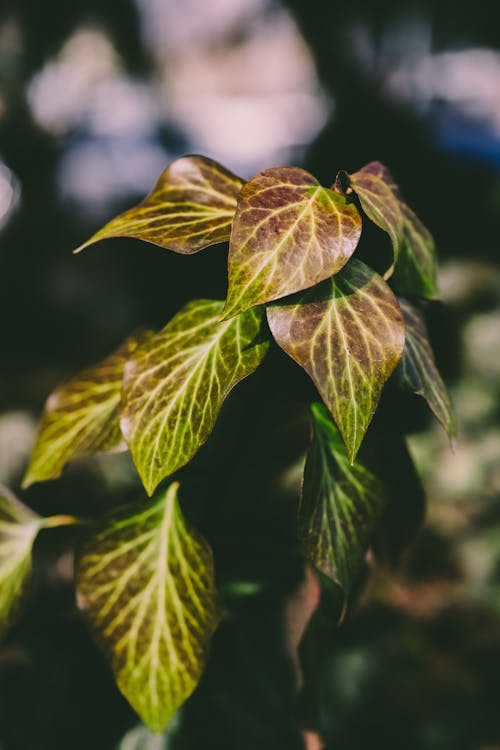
<point x="415" y="266"/>
<point x="145" y="584"/>
<point x="288" y="234"/>
<point x="418" y="372"/>
<point x="348" y="334"/>
<point x="175" y="384"/>
<point x="341" y="504"/>
<point x="190" y="207"/>
<point x="81" y="417"/>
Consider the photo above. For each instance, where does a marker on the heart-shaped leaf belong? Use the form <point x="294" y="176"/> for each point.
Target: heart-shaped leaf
<point x="288" y="234"/>
<point x="145" y="585"/>
<point x="340" y="504"/>
<point x="190" y="207"/>
<point x="348" y="335"/>
<point x="81" y="417"/>
<point x="175" y="384"/>
<point x="415" y="267"/>
<point x="418" y="372"/>
<point x="18" y="529"/>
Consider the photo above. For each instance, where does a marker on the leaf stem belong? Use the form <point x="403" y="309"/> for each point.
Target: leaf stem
<point x="62" y="520"/>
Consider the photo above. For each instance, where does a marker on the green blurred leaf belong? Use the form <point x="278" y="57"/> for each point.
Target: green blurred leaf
<point x="288" y="234"/>
<point x="146" y="588"/>
<point x="418" y="372"/>
<point x="191" y="207"/>
<point x="175" y="384"/>
<point x="340" y="505"/>
<point x="415" y="266"/>
<point x="18" y="529"/>
<point x="81" y="417"/>
<point x="415" y="273"/>
<point x="348" y="334"/>
<point x="142" y="738"/>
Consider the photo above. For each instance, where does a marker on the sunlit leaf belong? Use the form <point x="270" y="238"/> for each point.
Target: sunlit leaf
<point x="418" y="372"/>
<point x="190" y="208"/>
<point x="375" y="189"/>
<point x="340" y="505"/>
<point x="348" y="334"/>
<point x="18" y="529"/>
<point x="288" y="233"/>
<point x="146" y="588"/>
<point x="81" y="417"/>
<point x="175" y="384"/>
<point x="415" y="266"/>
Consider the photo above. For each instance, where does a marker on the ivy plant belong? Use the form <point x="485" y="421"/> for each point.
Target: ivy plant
<point x="144" y="577"/>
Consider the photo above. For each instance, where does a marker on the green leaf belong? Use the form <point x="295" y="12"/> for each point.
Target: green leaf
<point x="348" y="335"/>
<point x="415" y="273"/>
<point x="415" y="266"/>
<point x="145" y="584"/>
<point x="418" y="372"/>
<point x="18" y="529"/>
<point x="340" y="505"/>
<point x="190" y="207"/>
<point x="175" y="384"/>
<point x="288" y="234"/>
<point x="81" y="417"/>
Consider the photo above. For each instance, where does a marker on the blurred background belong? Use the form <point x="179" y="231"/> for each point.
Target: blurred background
<point x="96" y="97"/>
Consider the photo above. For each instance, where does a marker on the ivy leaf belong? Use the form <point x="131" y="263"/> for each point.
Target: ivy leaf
<point x="415" y="266"/>
<point x="288" y="234"/>
<point x="415" y="273"/>
<point x="18" y="529"/>
<point x="190" y="207"/>
<point x="375" y="188"/>
<point x="146" y="588"/>
<point x="176" y="382"/>
<point x="348" y="335"/>
<point x="340" y="504"/>
<point x="81" y="417"/>
<point x="418" y="372"/>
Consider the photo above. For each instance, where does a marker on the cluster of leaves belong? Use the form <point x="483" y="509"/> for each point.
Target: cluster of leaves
<point x="144" y="577"/>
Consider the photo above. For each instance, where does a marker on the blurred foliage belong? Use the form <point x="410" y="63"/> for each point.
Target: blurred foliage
<point x="417" y="663"/>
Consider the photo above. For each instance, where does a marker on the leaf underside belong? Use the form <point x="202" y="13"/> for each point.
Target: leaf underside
<point x="18" y="529"/>
<point x="81" y="417"/>
<point x="175" y="384"/>
<point x="288" y="234"/>
<point x="145" y="586"/>
<point x="415" y="266"/>
<point x="418" y="372"/>
<point x="341" y="505"/>
<point x="190" y="208"/>
<point x="348" y="335"/>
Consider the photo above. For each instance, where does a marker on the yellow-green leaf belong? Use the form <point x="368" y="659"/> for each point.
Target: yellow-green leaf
<point x="418" y="372"/>
<point x="340" y="507"/>
<point x="288" y="234"/>
<point x="176" y="382"/>
<point x="348" y="334"/>
<point x="415" y="266"/>
<point x="18" y="529"/>
<point x="81" y="417"/>
<point x="145" y="585"/>
<point x="190" y="207"/>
